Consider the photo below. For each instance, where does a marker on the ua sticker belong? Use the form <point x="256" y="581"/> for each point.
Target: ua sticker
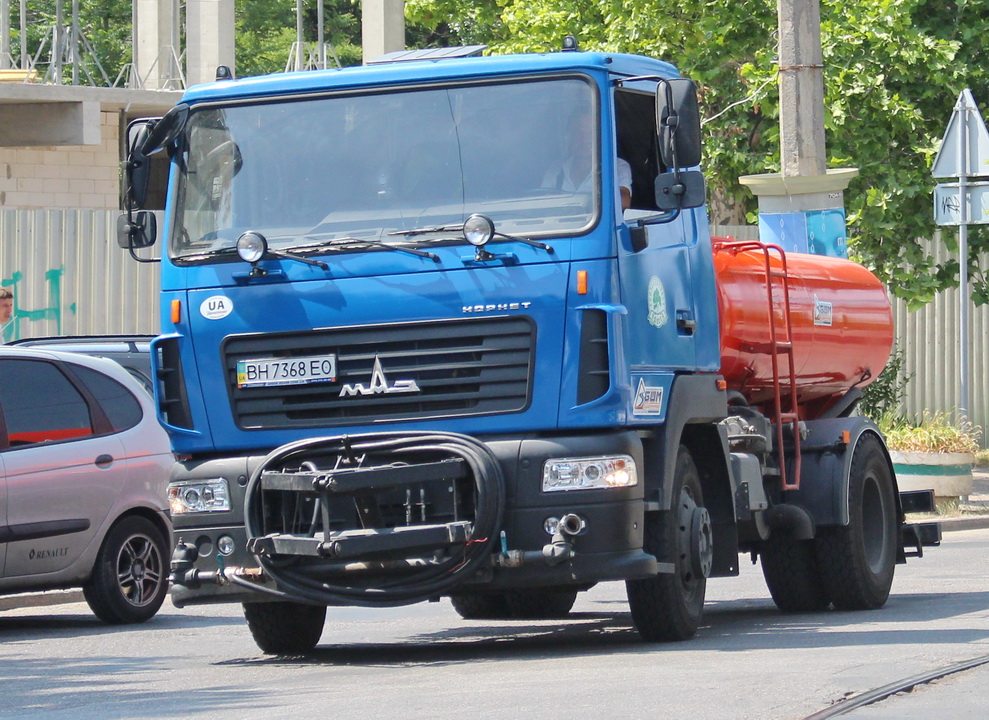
<point x="657" y="303"/>
<point x="216" y="307"/>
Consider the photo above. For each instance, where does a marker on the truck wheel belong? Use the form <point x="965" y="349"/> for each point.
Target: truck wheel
<point x="792" y="575"/>
<point x="130" y="578"/>
<point x="857" y="560"/>
<point x="285" y="628"/>
<point x="669" y="606"/>
<point x="481" y="606"/>
<point x="544" y="604"/>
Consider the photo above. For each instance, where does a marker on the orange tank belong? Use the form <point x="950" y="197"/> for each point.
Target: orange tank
<point x="840" y="318"/>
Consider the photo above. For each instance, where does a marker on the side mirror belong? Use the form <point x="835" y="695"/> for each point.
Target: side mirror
<point x="137" y="165"/>
<point x="137" y="230"/>
<point x="166" y="129"/>
<point x="678" y="123"/>
<point x="676" y="191"/>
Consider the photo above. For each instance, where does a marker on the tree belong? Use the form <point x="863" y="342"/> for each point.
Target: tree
<point x="892" y="71"/>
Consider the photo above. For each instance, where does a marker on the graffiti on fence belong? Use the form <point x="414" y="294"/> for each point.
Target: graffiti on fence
<point x="53" y="279"/>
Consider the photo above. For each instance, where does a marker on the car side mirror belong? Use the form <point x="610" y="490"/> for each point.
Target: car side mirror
<point x="137" y="165"/>
<point x="676" y="191"/>
<point x="137" y="230"/>
<point x="678" y="123"/>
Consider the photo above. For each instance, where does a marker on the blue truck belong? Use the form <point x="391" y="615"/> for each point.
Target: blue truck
<point x="417" y="343"/>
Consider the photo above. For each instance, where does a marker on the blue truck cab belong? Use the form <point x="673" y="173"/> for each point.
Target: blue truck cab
<point x="414" y="346"/>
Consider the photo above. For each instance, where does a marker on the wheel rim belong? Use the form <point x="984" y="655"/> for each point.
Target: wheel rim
<point x="139" y="570"/>
<point x="874" y="524"/>
<point x="693" y="540"/>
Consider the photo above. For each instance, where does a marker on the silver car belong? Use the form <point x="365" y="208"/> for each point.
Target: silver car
<point x="83" y="470"/>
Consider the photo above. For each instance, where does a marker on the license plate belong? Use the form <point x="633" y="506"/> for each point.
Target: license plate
<point x="286" y="371"/>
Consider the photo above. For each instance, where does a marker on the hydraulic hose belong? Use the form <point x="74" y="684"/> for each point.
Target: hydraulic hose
<point x="429" y="582"/>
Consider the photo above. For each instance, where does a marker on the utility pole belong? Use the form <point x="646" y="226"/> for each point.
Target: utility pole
<point x="801" y="82"/>
<point x="5" y="57"/>
<point x="383" y="27"/>
<point x="801" y="208"/>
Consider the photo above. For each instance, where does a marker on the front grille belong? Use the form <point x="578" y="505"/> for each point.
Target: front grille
<point x="460" y="367"/>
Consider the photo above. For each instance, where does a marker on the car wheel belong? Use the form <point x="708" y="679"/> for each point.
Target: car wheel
<point x="129" y="581"/>
<point x="857" y="560"/>
<point x="668" y="607"/>
<point x="285" y="628"/>
<point x="481" y="606"/>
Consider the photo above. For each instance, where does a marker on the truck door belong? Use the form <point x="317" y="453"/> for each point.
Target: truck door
<point x="656" y="279"/>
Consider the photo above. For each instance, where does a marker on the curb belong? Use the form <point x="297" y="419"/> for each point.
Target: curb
<point x="976" y="522"/>
<point x="40" y="599"/>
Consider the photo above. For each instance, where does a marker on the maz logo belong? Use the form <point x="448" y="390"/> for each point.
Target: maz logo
<point x="379" y="384"/>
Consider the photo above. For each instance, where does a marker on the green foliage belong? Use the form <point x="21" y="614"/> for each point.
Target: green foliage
<point x="884" y="396"/>
<point x="893" y="69"/>
<point x="106" y="24"/>
<point x="931" y="432"/>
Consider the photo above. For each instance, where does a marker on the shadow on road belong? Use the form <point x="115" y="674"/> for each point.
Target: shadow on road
<point x="751" y="625"/>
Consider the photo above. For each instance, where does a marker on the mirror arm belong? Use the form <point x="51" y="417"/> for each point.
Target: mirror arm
<point x="141" y="259"/>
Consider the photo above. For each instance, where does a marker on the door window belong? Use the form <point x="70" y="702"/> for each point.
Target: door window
<point x="122" y="409"/>
<point x="40" y="404"/>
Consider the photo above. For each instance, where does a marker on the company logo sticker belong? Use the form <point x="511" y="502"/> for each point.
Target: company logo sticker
<point x="823" y="314"/>
<point x="216" y="307"/>
<point x="656" y="300"/>
<point x="648" y="399"/>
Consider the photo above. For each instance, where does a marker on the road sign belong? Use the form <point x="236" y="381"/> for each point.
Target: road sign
<point x="965" y="120"/>
<point x="947" y="204"/>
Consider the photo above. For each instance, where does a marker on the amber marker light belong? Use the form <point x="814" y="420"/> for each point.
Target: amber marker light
<point x="581" y="282"/>
<point x="176" y="311"/>
<point x="846" y="437"/>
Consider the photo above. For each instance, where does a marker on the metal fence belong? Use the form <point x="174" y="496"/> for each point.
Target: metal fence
<point x="69" y="277"/>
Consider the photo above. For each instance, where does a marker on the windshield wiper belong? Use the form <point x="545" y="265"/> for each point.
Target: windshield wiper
<point x="207" y="254"/>
<point x="232" y="250"/>
<point x="429" y="229"/>
<point x="460" y="228"/>
<point x="327" y="245"/>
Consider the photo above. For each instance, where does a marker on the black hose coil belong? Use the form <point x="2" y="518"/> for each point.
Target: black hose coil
<point x="427" y="583"/>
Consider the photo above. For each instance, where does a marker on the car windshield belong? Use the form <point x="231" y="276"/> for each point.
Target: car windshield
<point x="305" y="171"/>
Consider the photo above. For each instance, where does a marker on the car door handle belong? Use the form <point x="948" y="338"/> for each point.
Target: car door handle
<point x="104" y="460"/>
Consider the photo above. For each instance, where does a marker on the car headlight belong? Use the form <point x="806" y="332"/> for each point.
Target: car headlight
<point x="199" y="496"/>
<point x="613" y="471"/>
<point x="251" y="246"/>
<point x="478" y="230"/>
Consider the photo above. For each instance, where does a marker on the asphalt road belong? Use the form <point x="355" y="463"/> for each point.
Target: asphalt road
<point x="747" y="661"/>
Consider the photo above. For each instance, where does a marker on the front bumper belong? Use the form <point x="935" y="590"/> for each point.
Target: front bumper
<point x="606" y="546"/>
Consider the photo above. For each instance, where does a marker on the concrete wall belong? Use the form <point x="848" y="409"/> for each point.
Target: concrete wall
<point x="71" y="177"/>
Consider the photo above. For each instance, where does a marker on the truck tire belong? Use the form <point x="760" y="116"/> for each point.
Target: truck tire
<point x="481" y="606"/>
<point x="542" y="604"/>
<point x="130" y="577"/>
<point x="285" y="628"/>
<point x="792" y="575"/>
<point x="857" y="560"/>
<point x="668" y="607"/>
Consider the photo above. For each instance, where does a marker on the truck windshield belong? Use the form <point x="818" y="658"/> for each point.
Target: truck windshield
<point x="308" y="170"/>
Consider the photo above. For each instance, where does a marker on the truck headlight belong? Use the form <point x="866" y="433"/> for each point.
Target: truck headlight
<point x="589" y="473"/>
<point x="198" y="496"/>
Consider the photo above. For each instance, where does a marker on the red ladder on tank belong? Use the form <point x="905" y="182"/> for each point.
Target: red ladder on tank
<point x="779" y="347"/>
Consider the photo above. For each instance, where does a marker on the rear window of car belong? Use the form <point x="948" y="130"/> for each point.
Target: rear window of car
<point x="121" y="408"/>
<point x="40" y="404"/>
